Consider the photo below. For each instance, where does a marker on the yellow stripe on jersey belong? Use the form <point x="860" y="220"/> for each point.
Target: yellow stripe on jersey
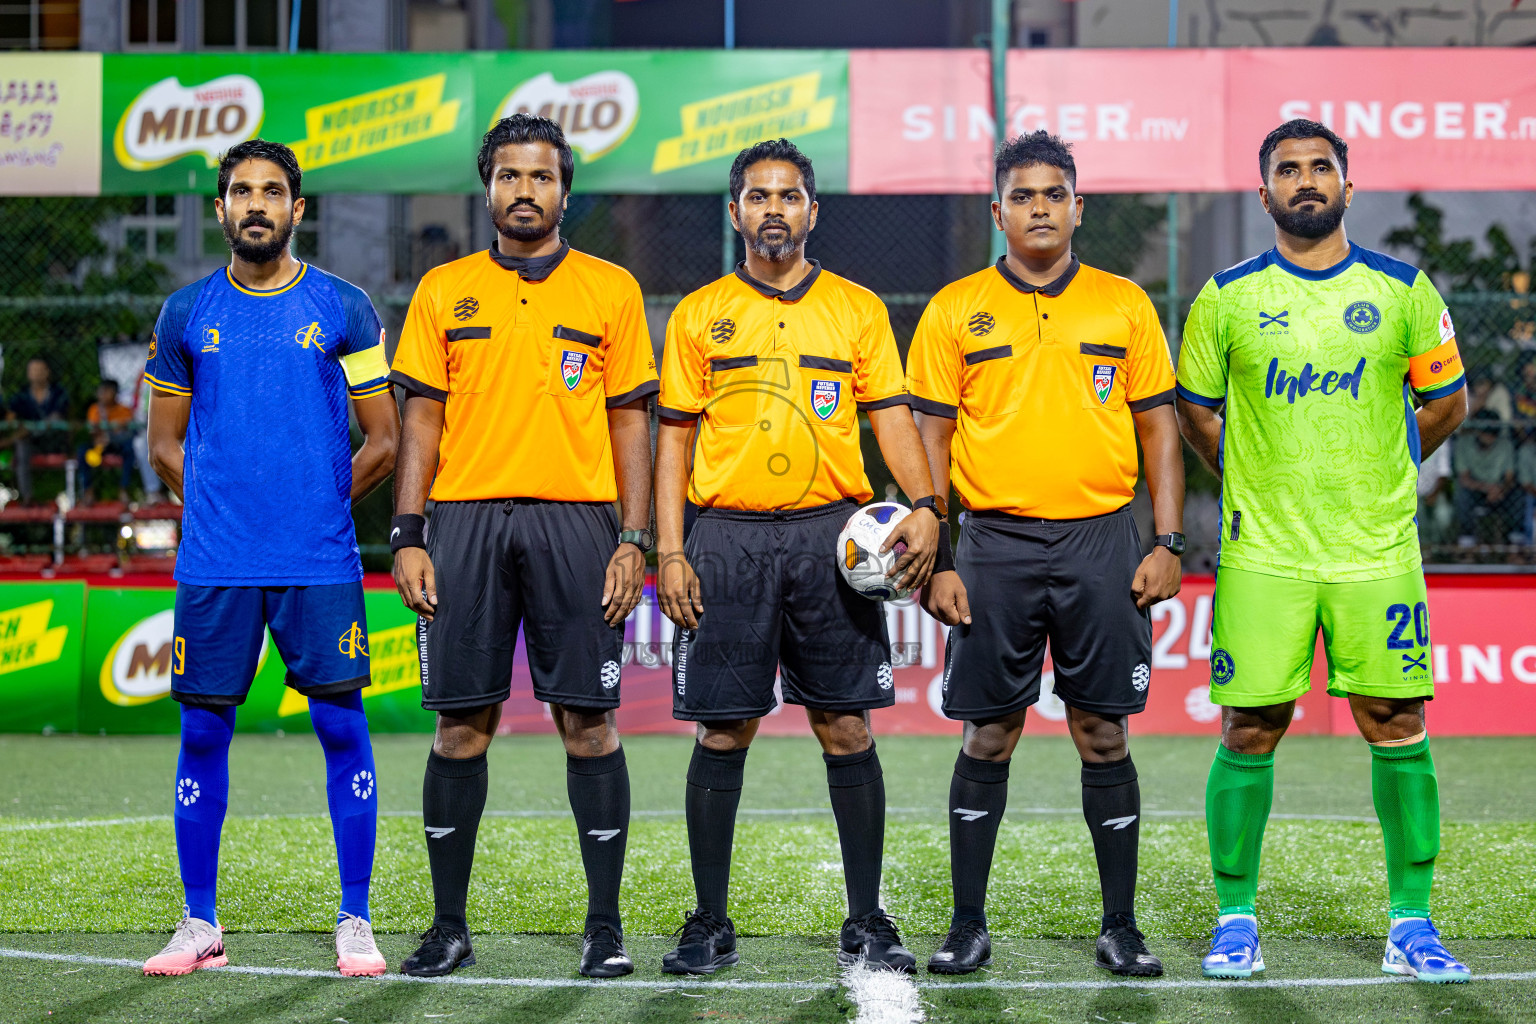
<point x="367" y="365"/>
<point x="260" y="293"/>
<point x="175" y="389"/>
<point x="369" y="390"/>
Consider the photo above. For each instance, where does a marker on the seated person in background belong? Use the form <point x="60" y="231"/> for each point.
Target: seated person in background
<point x="1525" y="476"/>
<point x="111" y="425"/>
<point x="40" y="402"/>
<point x="1436" y="509"/>
<point x="1487" y="501"/>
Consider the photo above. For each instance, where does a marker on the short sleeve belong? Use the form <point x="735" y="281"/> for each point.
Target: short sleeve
<point x="933" y="363"/>
<point x="421" y="359"/>
<point x="361" y="351"/>
<point x="1434" y="361"/>
<point x="629" y="365"/>
<point x="878" y="382"/>
<point x="1149" y="365"/>
<point x="682" y="372"/>
<point x="1202" y="377"/>
<point x="169" y="367"/>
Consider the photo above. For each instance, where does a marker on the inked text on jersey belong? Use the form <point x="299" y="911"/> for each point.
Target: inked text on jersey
<point x="1293" y="386"/>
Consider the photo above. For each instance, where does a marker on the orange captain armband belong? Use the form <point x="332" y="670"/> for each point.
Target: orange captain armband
<point x="1433" y="373"/>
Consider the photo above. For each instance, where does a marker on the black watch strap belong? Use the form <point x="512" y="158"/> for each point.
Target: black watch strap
<point x="931" y="502"/>
<point x="1174" y="542"/>
<point x="641" y="539"/>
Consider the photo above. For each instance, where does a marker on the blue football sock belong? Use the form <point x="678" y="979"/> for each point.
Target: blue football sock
<point x="350" y="790"/>
<point x="202" y="796"/>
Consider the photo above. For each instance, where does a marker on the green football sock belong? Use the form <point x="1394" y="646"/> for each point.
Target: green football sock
<point x="1237" y="798"/>
<point x="1407" y="799"/>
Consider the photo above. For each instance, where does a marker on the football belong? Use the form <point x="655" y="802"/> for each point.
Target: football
<point x="858" y="550"/>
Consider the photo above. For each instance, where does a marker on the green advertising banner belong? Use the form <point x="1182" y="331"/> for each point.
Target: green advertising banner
<point x="672" y="121"/>
<point x="130" y="664"/>
<point x="638" y="121"/>
<point x="375" y="122"/>
<point x="40" y="634"/>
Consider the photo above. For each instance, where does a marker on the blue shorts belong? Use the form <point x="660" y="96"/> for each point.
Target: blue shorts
<point x="321" y="632"/>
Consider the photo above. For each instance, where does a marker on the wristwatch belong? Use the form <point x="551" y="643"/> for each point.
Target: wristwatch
<point x="933" y="503"/>
<point x="642" y="539"/>
<point x="1174" y="542"/>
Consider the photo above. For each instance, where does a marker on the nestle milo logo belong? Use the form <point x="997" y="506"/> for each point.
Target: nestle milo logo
<point x="168" y="121"/>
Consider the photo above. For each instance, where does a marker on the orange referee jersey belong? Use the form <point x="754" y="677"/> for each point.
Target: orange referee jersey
<point x="775" y="380"/>
<point x="1043" y="381"/>
<point x="527" y="361"/>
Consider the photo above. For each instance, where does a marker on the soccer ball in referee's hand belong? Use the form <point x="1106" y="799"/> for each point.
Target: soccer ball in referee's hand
<point x="858" y="550"/>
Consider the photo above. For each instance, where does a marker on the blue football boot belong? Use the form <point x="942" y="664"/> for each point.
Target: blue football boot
<point x="1234" y="949"/>
<point x="1414" y="950"/>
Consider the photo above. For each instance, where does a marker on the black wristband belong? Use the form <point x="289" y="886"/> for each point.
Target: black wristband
<point x="407" y="531"/>
<point x="944" y="560"/>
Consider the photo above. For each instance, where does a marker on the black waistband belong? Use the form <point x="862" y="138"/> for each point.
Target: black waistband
<point x="1009" y="517"/>
<point x="509" y="502"/>
<point x="780" y="515"/>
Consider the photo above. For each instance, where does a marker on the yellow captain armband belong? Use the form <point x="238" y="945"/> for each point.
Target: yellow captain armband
<point x="367" y="365"/>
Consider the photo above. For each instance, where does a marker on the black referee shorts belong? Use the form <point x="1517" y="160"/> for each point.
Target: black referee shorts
<point x="538" y="564"/>
<point x="773" y="597"/>
<point x="1064" y="580"/>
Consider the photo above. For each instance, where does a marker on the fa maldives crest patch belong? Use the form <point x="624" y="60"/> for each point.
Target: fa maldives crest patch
<point x="825" y="395"/>
<point x="1103" y="381"/>
<point x="572" y="366"/>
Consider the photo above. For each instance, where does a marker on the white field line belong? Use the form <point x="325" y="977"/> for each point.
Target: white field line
<point x="750" y="812"/>
<point x="881" y="996"/>
<point x="731" y="983"/>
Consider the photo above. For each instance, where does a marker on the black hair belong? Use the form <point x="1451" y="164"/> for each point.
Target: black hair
<point x="1039" y="147"/>
<point x="521" y="128"/>
<point x="260" y="149"/>
<point x="1301" y="128"/>
<point x="771" y="149"/>
<point x="108" y="382"/>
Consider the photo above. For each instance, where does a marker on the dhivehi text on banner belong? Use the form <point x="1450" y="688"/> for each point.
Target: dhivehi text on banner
<point x="50" y="124"/>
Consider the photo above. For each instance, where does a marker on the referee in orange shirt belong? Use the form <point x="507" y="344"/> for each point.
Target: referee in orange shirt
<point x="527" y="371"/>
<point x="1034" y="379"/>
<point x="764" y="374"/>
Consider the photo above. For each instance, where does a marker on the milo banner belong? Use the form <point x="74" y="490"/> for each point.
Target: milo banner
<point x="40" y="632"/>
<point x="130" y="662"/>
<point x="672" y="121"/>
<point x="358" y="122"/>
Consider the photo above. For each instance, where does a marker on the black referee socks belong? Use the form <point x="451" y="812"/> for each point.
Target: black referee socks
<point x="599" y="792"/>
<point x="977" y="795"/>
<point x="714" y="792"/>
<point x="452" y="799"/>
<point x="857" y="787"/>
<point x="1112" y="807"/>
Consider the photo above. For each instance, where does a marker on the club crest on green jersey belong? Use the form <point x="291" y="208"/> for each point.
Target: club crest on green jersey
<point x="1362" y="317"/>
<point x="572" y="366"/>
<point x="1103" y="381"/>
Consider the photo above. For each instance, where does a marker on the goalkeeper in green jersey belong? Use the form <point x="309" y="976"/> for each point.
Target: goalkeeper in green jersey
<point x="1312" y="379"/>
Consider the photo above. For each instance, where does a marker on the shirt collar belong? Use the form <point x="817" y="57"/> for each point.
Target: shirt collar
<point x="1316" y="275"/>
<point x="788" y="295"/>
<point x="531" y="268"/>
<point x="1053" y="289"/>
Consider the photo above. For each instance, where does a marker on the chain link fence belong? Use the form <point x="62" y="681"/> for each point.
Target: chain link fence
<point x="81" y="282"/>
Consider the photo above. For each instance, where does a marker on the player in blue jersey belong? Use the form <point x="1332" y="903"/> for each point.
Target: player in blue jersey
<point x="252" y="368"/>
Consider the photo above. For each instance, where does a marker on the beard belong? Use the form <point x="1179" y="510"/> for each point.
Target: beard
<point x="548" y="223"/>
<point x="776" y="251"/>
<point x="1309" y="224"/>
<point x="258" y="252"/>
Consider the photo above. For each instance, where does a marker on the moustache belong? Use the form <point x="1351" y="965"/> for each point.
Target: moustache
<point x="255" y="220"/>
<point x="1309" y="197"/>
<point x="530" y="207"/>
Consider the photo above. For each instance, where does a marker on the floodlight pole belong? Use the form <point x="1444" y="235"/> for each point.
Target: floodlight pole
<point x="1001" y="33"/>
<point x="1173" y="209"/>
<point x="727" y="232"/>
<point x="293" y="25"/>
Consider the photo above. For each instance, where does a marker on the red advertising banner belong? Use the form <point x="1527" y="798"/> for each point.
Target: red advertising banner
<point x="1484" y="656"/>
<point x="1191" y="120"/>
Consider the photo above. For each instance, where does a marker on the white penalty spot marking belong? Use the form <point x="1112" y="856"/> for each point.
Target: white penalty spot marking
<point x="731" y="983"/>
<point x="882" y="996"/>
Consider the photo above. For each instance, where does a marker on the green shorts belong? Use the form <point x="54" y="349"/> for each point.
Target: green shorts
<point x="1264" y="632"/>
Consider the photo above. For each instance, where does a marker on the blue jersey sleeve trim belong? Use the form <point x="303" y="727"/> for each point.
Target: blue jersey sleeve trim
<point x="371" y="388"/>
<point x="169" y="366"/>
<point x="1393" y="268"/>
<point x="1414" y="447"/>
<point x="1243" y="269"/>
<point x="1445" y="389"/>
<point x="362" y="320"/>
<point x="1197" y="398"/>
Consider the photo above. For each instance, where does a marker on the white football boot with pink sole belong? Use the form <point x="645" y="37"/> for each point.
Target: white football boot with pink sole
<point x="356" y="954"/>
<point x="195" y="944"/>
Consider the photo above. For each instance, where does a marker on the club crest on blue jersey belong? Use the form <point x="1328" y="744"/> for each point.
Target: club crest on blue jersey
<point x="825" y="396"/>
<point x="1362" y="317"/>
<point x="572" y="366"/>
<point x="310" y="334"/>
<point x="1103" y="381"/>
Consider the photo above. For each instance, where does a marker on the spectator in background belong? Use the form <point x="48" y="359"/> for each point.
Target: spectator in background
<point x="111" y="426"/>
<point x="1525" y="476"/>
<point x="1524" y="399"/>
<point x="1487" y="396"/>
<point x="1437" y="518"/>
<point x="1487" y="500"/>
<point x="40" y="408"/>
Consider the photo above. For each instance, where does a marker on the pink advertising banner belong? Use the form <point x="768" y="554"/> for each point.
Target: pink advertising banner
<point x="1191" y="120"/>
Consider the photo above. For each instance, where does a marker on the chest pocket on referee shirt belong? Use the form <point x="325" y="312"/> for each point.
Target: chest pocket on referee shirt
<point x="1103" y="376"/>
<point x="469" y="356"/>
<point x="574" y="371"/>
<point x="828" y="385"/>
<point x="990" y="385"/>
